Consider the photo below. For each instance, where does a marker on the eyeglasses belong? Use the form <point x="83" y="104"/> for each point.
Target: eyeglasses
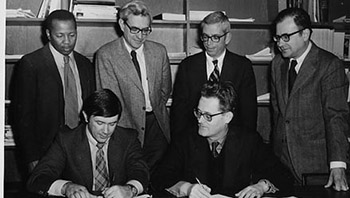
<point x="208" y="117"/>
<point x="285" y="37"/>
<point x="214" y="38"/>
<point x="136" y="30"/>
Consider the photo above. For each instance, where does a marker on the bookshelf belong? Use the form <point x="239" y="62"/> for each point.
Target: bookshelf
<point x="179" y="37"/>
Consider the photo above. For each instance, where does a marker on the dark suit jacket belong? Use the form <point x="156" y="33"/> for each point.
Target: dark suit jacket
<point x="39" y="100"/>
<point x="247" y="159"/>
<point x="192" y="74"/>
<point x="313" y="120"/>
<point x="69" y="158"/>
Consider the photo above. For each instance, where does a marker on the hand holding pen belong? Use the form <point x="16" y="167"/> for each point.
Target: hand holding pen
<point x="199" y="190"/>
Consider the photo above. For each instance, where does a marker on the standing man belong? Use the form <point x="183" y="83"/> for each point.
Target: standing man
<point x="50" y="86"/>
<point x="226" y="159"/>
<point x="309" y="89"/>
<point x="97" y="158"/>
<point x="138" y="72"/>
<point x="216" y="63"/>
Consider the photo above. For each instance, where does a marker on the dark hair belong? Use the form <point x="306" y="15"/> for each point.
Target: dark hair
<point x="134" y="7"/>
<point x="60" y="15"/>
<point x="301" y="17"/>
<point x="224" y="91"/>
<point x="102" y="103"/>
<point x="216" y="17"/>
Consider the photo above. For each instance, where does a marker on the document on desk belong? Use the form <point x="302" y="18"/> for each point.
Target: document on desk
<point x="281" y="197"/>
<point x="144" y="196"/>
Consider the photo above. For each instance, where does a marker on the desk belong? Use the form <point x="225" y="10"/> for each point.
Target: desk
<point x="315" y="192"/>
<point x="299" y="191"/>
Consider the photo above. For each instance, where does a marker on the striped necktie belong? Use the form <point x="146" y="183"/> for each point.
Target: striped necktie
<point x="215" y="75"/>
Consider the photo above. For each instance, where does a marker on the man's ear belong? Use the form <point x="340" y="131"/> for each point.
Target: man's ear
<point x="121" y="24"/>
<point x="228" y="38"/>
<point x="306" y="34"/>
<point x="85" y="117"/>
<point x="48" y="35"/>
<point x="228" y="117"/>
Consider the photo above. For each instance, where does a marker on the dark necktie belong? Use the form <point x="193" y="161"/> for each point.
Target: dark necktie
<point x="136" y="63"/>
<point x="70" y="96"/>
<point x="215" y="75"/>
<point x="292" y="75"/>
<point x="214" y="146"/>
<point x="101" y="179"/>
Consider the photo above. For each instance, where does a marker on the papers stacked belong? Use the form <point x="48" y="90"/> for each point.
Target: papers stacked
<point x="19" y="13"/>
<point x="170" y="17"/>
<point x="263" y="55"/>
<point x="89" y="11"/>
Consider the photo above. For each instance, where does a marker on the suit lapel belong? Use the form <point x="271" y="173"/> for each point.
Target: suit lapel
<point x="126" y="63"/>
<point x="52" y="67"/>
<point x="84" y="159"/>
<point x="201" y="64"/>
<point x="114" y="153"/>
<point x="284" y="81"/>
<point x="232" y="148"/>
<point x="306" y="70"/>
<point x="150" y="67"/>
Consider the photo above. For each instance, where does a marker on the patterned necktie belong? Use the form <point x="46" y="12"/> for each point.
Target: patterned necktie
<point x="136" y="63"/>
<point x="101" y="178"/>
<point x="70" y="95"/>
<point x="215" y="75"/>
<point x="214" y="146"/>
<point x="292" y="75"/>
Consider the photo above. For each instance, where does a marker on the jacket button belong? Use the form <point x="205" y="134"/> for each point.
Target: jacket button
<point x="142" y="128"/>
<point x="287" y="121"/>
<point x="144" y="108"/>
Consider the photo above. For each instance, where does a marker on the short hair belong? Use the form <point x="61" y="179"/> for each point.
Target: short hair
<point x="301" y="17"/>
<point x="61" y="15"/>
<point x="103" y="103"/>
<point x="216" y="17"/>
<point x="224" y="91"/>
<point x="134" y="7"/>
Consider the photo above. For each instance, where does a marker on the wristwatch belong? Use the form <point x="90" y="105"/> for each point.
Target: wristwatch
<point x="133" y="189"/>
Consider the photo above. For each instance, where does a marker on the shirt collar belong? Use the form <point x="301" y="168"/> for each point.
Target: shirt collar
<point x="220" y="58"/>
<point x="57" y="54"/>
<point x="301" y="58"/>
<point x="129" y="49"/>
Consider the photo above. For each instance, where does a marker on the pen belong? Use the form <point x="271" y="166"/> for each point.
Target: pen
<point x="199" y="182"/>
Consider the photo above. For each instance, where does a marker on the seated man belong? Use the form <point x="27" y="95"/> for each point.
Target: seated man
<point x="216" y="158"/>
<point x="96" y="158"/>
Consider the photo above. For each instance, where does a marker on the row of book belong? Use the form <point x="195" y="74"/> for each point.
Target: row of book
<point x="88" y="9"/>
<point x="317" y="9"/>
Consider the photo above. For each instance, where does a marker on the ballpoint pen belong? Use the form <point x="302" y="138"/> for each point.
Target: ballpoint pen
<point x="199" y="182"/>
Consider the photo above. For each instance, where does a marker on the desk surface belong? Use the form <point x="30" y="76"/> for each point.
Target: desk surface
<point x="316" y="192"/>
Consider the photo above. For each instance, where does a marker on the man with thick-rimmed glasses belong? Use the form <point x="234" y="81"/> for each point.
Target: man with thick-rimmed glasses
<point x="215" y="63"/>
<point x="308" y="94"/>
<point x="137" y="71"/>
<point x="216" y="157"/>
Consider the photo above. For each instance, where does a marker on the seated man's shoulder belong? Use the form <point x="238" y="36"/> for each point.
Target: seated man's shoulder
<point x="128" y="133"/>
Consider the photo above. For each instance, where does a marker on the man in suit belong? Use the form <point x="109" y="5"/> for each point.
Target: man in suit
<point x="138" y="72"/>
<point x="195" y="70"/>
<point x="97" y="158"/>
<point x="308" y="94"/>
<point x="216" y="157"/>
<point x="51" y="83"/>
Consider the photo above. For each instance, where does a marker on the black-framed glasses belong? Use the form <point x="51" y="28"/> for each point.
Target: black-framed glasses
<point x="285" y="37"/>
<point x="214" y="38"/>
<point x="136" y="30"/>
<point x="208" y="117"/>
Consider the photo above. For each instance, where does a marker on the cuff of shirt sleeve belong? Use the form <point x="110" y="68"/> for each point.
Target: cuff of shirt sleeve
<point x="137" y="185"/>
<point x="180" y="189"/>
<point x="270" y="187"/>
<point x="337" y="164"/>
<point x="56" y="188"/>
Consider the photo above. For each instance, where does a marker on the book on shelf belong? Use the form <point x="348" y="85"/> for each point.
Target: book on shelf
<point x="262" y="55"/>
<point x="198" y="15"/>
<point x="91" y="11"/>
<point x="346" y="48"/>
<point x="170" y="17"/>
<point x="48" y="6"/>
<point x="96" y="2"/>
